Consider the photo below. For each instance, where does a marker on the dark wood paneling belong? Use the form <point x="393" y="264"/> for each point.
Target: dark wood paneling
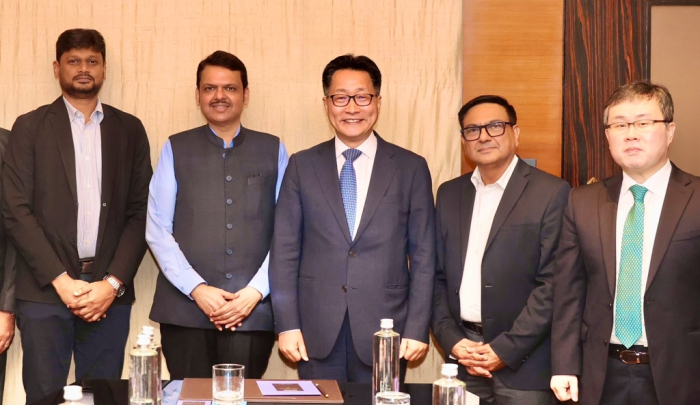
<point x="606" y="45"/>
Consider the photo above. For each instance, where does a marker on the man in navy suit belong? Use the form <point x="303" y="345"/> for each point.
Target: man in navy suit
<point x="352" y="213"/>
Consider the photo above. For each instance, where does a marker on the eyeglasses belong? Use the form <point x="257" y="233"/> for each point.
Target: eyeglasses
<point x="494" y="129"/>
<point x="641" y="126"/>
<point x="361" y="100"/>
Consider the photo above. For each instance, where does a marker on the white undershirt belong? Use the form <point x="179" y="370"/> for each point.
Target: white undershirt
<point x="486" y="202"/>
<point x="653" y="202"/>
<point x="363" y="170"/>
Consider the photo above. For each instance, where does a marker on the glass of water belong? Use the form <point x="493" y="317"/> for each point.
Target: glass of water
<point x="227" y="383"/>
<point x="392" y="398"/>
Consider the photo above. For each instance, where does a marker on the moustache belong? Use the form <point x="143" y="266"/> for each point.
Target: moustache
<point x="221" y="101"/>
<point x="78" y="77"/>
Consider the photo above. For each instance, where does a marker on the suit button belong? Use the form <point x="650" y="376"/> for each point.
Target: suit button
<point x="605" y="342"/>
<point x="457" y="292"/>
<point x="229" y="178"/>
<point x="229" y="251"/>
<point x="610" y="304"/>
<point x="223" y="155"/>
<point x="229" y="275"/>
<point x="229" y="201"/>
<point x="229" y="226"/>
<point x="345" y="288"/>
<point x="352" y="254"/>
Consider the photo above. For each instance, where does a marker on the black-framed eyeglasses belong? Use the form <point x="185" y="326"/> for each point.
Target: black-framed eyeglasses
<point x="642" y="126"/>
<point x="342" y="100"/>
<point x="494" y="129"/>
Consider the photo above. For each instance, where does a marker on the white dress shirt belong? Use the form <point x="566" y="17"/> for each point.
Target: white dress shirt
<point x="363" y="170"/>
<point x="653" y="201"/>
<point x="486" y="202"/>
<point x="87" y="142"/>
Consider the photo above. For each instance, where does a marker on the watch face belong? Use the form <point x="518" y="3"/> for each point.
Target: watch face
<point x="121" y="291"/>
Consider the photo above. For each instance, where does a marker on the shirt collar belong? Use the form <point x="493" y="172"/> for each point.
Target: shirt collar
<point x="96" y="115"/>
<point x="368" y="147"/>
<point x="222" y="140"/>
<point x="657" y="183"/>
<point x="502" y="181"/>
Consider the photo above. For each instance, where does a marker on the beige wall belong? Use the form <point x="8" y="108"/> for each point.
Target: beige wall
<point x="675" y="63"/>
<point x="153" y="48"/>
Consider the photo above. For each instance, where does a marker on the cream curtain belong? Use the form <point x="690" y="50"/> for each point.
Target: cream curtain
<point x="153" y="48"/>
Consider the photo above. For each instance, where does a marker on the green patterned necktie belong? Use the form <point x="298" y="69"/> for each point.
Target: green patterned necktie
<point x="628" y="307"/>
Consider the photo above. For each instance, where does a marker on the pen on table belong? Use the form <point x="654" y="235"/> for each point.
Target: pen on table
<point x="318" y="386"/>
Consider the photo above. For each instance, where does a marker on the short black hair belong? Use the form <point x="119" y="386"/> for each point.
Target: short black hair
<point x="488" y="99"/>
<point x="351" y="62"/>
<point x="225" y="60"/>
<point x="79" y="38"/>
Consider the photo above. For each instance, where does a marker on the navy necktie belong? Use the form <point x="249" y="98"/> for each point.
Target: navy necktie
<point x="348" y="188"/>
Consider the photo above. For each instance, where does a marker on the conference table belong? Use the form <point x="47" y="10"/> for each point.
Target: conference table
<point x="116" y="392"/>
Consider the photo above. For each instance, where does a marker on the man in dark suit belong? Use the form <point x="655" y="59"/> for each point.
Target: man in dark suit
<point x="351" y="213"/>
<point x="497" y="231"/>
<point x="212" y="294"/>
<point x="626" y="326"/>
<point x="7" y="278"/>
<point x="75" y="190"/>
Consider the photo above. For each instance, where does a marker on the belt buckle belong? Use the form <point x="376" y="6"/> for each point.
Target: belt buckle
<point x="627" y="359"/>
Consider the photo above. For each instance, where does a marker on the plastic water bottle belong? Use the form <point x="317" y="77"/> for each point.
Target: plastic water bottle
<point x="150" y="331"/>
<point x="72" y="395"/>
<point x="449" y="390"/>
<point x="143" y="373"/>
<point x="385" y="358"/>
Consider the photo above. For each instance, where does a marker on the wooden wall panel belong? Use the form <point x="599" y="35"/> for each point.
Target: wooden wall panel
<point x="514" y="49"/>
<point x="606" y="45"/>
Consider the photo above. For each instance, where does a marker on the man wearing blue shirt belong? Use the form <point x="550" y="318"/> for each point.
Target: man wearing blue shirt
<point x="210" y="219"/>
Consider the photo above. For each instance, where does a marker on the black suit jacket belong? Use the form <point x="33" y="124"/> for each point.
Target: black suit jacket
<point x="7" y="252"/>
<point x="41" y="205"/>
<point x="584" y="287"/>
<point x="317" y="272"/>
<point x="516" y="271"/>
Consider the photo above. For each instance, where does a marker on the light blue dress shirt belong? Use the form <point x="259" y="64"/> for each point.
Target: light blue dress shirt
<point x="159" y="225"/>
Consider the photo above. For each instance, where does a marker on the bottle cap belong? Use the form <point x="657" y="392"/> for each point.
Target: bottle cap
<point x="72" y="393"/>
<point x="387" y="324"/>
<point x="148" y="330"/>
<point x="449" y="370"/>
<point x="143" y="340"/>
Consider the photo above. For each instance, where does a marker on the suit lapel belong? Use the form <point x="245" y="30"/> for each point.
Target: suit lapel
<point x="327" y="173"/>
<point x="677" y="197"/>
<point x="466" y="209"/>
<point x="514" y="189"/>
<point x="60" y="122"/>
<point x="110" y="137"/>
<point x="382" y="173"/>
<point x="607" y="220"/>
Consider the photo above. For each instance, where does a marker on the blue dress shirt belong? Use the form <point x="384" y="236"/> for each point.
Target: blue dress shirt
<point x="159" y="225"/>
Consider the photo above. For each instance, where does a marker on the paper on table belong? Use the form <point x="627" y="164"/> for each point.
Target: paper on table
<point x="287" y="388"/>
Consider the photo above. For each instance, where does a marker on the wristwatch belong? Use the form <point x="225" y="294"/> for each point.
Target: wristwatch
<point x="118" y="288"/>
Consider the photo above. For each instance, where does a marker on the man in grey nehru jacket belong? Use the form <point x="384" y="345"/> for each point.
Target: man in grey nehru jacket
<point x="211" y="211"/>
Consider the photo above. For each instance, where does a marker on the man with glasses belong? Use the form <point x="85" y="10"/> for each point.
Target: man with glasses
<point x="497" y="230"/>
<point x="352" y="212"/>
<point x="626" y="326"/>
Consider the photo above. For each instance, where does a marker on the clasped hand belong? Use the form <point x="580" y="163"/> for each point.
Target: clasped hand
<point x="89" y="301"/>
<point x="479" y="358"/>
<point x="224" y="309"/>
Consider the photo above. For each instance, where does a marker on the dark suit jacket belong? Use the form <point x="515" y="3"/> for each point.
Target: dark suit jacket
<point x="516" y="272"/>
<point x="317" y="273"/>
<point x="41" y="204"/>
<point x="584" y="286"/>
<point x="7" y="251"/>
